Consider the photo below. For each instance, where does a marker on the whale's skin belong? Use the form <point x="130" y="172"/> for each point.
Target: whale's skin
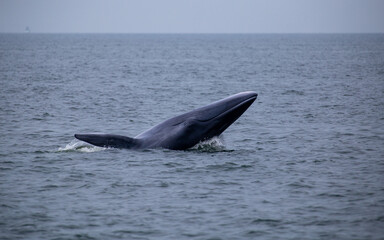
<point x="183" y="131"/>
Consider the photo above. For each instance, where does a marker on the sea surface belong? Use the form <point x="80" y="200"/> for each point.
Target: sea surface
<point x="305" y="161"/>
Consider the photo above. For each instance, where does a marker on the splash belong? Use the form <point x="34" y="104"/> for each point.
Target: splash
<point x="79" y="146"/>
<point x="215" y="144"/>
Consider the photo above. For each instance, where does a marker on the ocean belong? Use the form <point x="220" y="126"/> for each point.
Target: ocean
<point x="305" y="161"/>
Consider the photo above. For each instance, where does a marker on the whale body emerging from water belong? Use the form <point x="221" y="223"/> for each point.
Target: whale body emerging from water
<point x="183" y="131"/>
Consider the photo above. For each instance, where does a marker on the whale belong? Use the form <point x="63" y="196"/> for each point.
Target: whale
<point x="183" y="131"/>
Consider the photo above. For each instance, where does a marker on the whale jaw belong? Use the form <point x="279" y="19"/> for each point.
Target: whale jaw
<point x="109" y="140"/>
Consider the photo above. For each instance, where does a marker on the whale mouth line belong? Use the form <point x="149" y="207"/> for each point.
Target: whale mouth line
<point x="251" y="99"/>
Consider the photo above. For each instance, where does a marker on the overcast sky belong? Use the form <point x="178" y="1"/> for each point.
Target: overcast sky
<point x="192" y="16"/>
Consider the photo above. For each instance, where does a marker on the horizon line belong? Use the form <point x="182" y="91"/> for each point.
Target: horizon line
<point x="190" y="33"/>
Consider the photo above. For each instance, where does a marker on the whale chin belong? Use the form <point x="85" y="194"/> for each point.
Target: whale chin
<point x="109" y="140"/>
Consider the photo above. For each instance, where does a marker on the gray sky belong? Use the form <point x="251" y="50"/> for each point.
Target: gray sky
<point x="192" y="16"/>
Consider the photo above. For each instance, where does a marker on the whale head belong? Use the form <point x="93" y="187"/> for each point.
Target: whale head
<point x="186" y="130"/>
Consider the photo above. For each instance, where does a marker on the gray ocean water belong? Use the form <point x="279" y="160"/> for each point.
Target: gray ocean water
<point x="305" y="161"/>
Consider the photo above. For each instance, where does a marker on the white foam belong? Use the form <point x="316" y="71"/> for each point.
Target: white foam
<point x="214" y="144"/>
<point x="80" y="146"/>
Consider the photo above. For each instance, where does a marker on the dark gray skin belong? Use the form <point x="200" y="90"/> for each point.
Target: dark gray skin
<point x="183" y="131"/>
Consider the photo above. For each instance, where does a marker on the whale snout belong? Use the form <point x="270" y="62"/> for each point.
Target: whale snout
<point x="248" y="95"/>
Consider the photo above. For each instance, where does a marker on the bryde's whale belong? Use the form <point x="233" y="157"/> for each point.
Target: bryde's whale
<point x="183" y="131"/>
